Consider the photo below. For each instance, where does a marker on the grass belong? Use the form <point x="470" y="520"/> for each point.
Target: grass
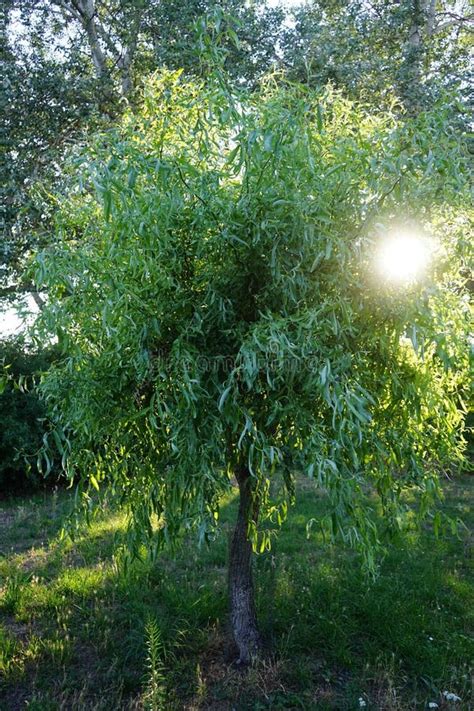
<point x="76" y="632"/>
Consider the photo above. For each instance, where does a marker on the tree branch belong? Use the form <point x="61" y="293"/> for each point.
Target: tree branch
<point x="455" y="21"/>
<point x="21" y="289"/>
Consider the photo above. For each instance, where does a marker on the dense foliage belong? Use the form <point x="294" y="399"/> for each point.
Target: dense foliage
<point x="415" y="48"/>
<point x="22" y="417"/>
<point x="69" y="65"/>
<point x="212" y="290"/>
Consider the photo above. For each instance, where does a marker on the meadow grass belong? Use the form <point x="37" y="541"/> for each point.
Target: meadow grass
<point x="77" y="632"/>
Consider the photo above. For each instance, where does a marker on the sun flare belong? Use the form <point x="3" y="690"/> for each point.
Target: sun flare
<point x="403" y="256"/>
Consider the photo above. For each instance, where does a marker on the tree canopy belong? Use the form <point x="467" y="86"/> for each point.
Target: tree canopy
<point x="414" y="48"/>
<point x="212" y="290"/>
<point x="71" y="66"/>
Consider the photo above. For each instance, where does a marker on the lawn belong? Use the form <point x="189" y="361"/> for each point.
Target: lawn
<point x="77" y="632"/>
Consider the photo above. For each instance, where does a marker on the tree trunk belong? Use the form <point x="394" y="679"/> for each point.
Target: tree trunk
<point x="422" y="25"/>
<point x="243" y="616"/>
<point x="87" y="13"/>
<point x="411" y="70"/>
<point x="125" y="62"/>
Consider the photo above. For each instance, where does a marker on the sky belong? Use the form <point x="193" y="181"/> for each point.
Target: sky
<point x="11" y="323"/>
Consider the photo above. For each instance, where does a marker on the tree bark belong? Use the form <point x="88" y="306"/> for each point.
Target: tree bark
<point x="87" y="13"/>
<point x="243" y="615"/>
<point x="125" y="61"/>
<point x="412" y="61"/>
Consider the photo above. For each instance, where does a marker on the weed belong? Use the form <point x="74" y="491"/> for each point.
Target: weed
<point x="154" y="697"/>
<point x="11" y="593"/>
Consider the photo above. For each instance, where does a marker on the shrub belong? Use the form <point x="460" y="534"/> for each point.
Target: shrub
<point x="22" y="416"/>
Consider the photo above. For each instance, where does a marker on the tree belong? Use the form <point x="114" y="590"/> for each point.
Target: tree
<point x="71" y="66"/>
<point x="433" y="42"/>
<point x="373" y="50"/>
<point x="211" y="289"/>
<point x="106" y="32"/>
<point x="125" y="40"/>
<point x="172" y="32"/>
<point x="46" y="104"/>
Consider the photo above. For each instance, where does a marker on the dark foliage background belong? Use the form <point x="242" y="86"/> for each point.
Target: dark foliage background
<point x="22" y="418"/>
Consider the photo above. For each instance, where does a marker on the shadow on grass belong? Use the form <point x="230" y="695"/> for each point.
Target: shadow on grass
<point x="73" y="626"/>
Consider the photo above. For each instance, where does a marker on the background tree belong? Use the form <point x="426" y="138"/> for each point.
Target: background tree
<point x="374" y="50"/>
<point x="211" y="289"/>
<point x="67" y="66"/>
<point x="173" y="34"/>
<point x="47" y="102"/>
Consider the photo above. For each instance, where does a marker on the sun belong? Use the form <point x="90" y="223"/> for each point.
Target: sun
<point x="403" y="256"/>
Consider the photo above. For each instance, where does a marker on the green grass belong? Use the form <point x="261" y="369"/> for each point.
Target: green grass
<point x="77" y="633"/>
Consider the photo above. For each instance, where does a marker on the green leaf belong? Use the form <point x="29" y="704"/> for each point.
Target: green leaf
<point x="223" y="397"/>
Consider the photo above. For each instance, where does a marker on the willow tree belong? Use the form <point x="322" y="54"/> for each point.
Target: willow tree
<point x="215" y="291"/>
